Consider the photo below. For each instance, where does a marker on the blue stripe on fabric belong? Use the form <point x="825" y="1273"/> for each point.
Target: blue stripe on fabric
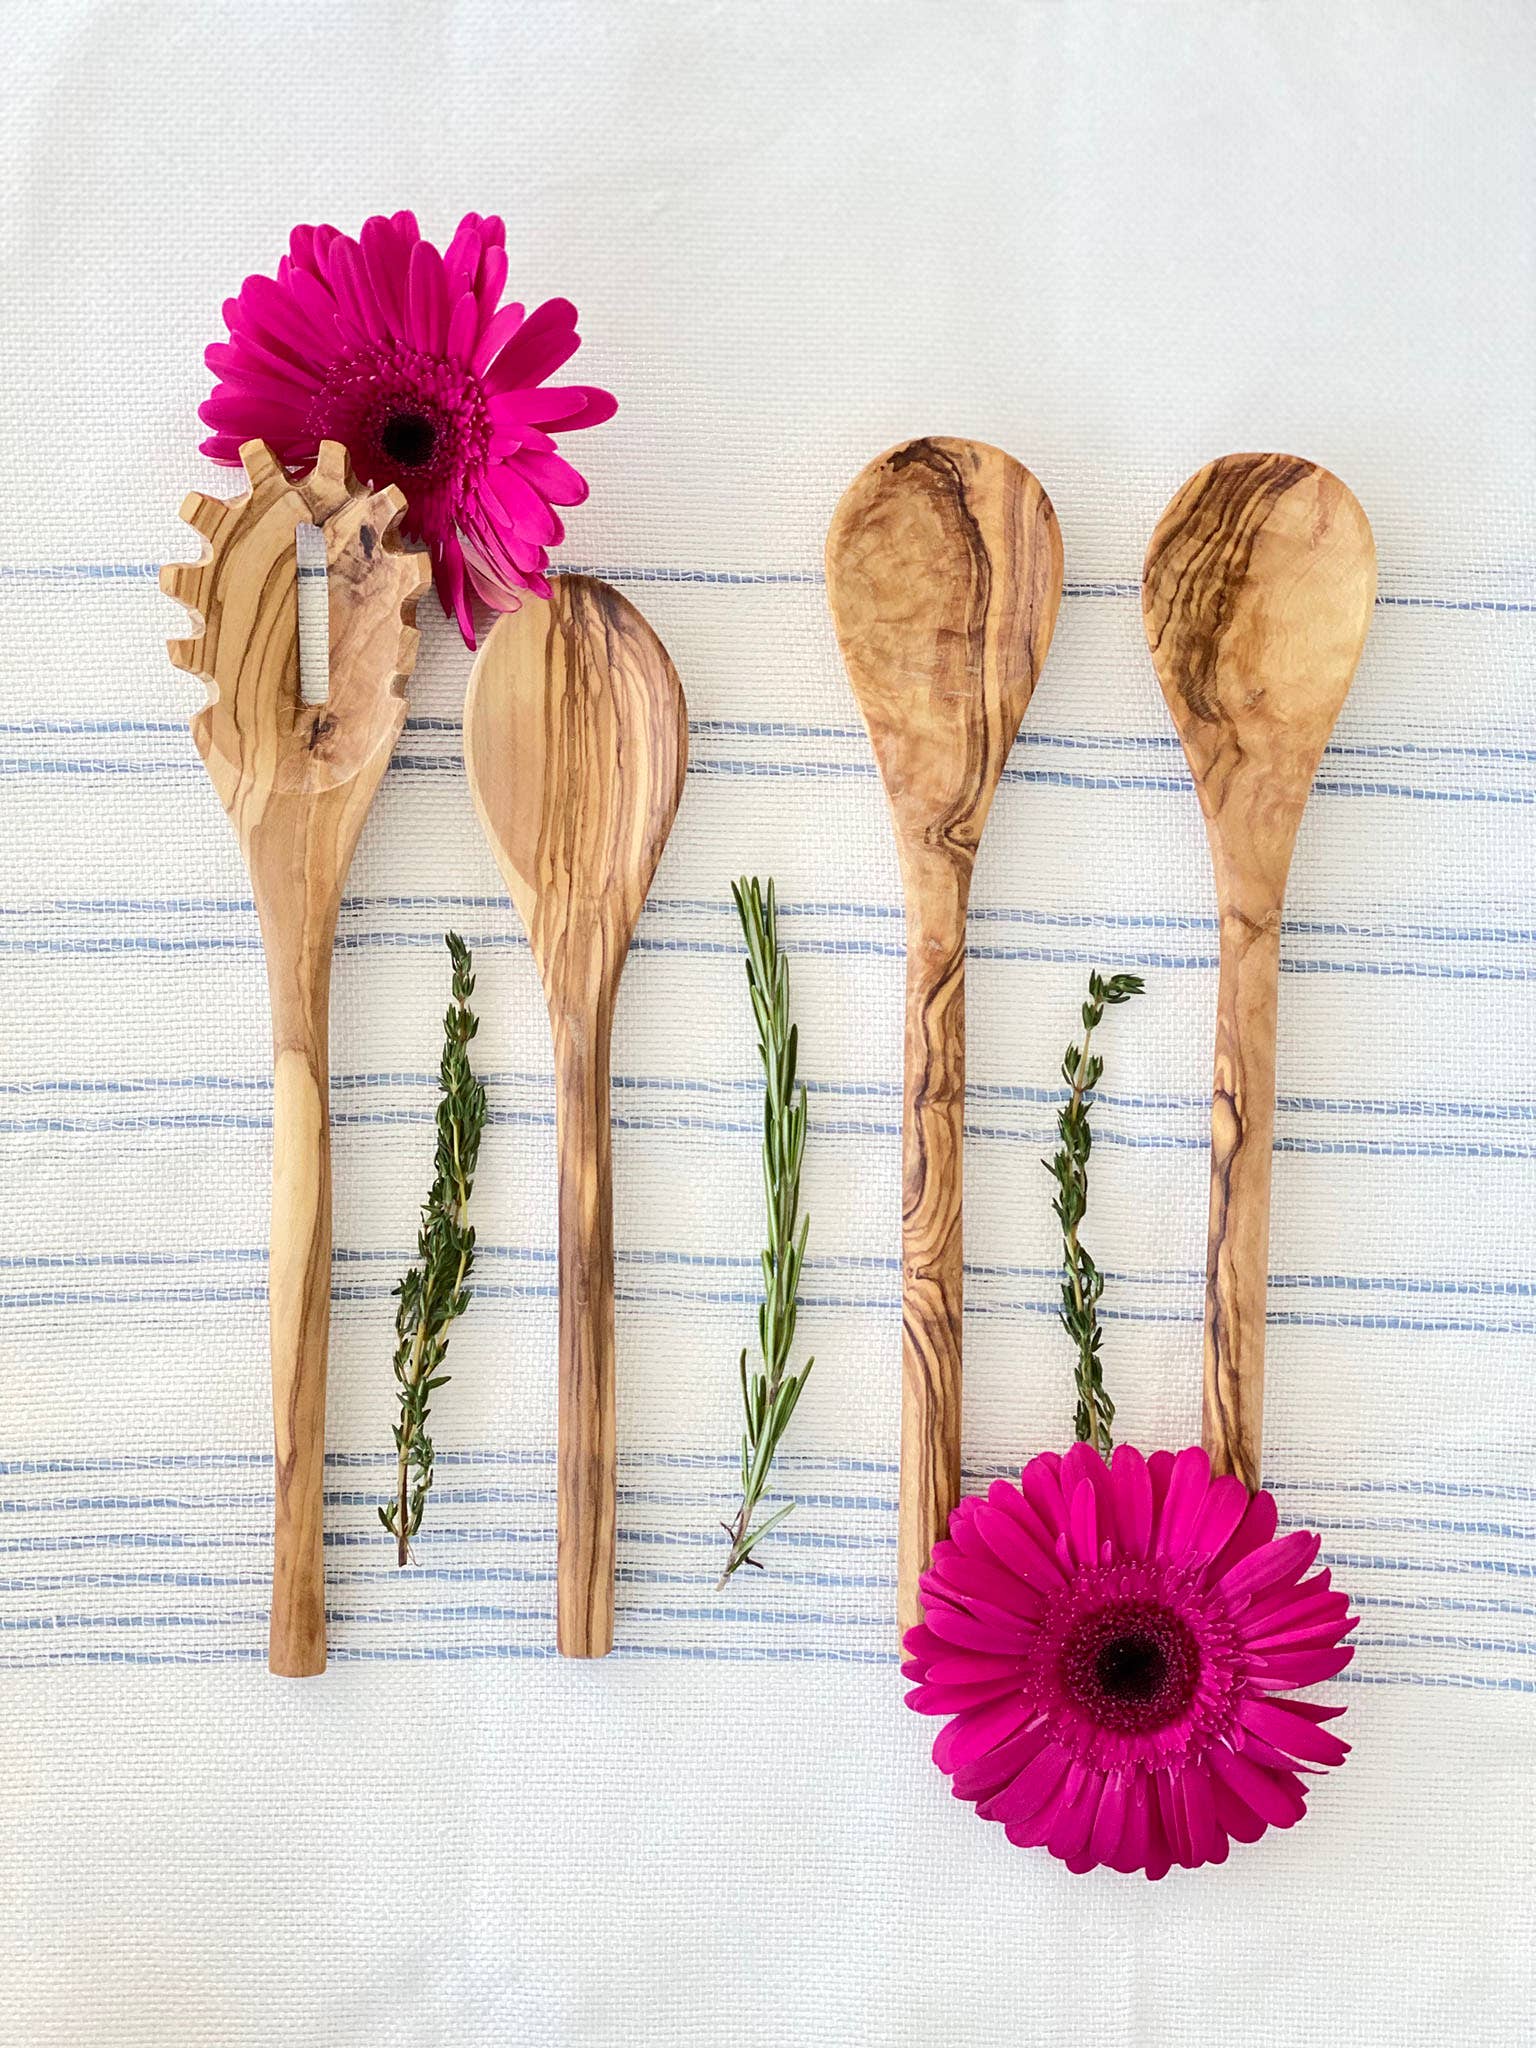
<point x="693" y="1123"/>
<point x="1031" y="738"/>
<point x="256" y="1499"/>
<point x="744" y="1088"/>
<point x="630" y="1296"/>
<point x="633" y="572"/>
<point x="386" y="1573"/>
<point x="481" y="1653"/>
<point x="701" y="1462"/>
<point x="791" y="912"/>
<point x="1326" y="785"/>
<point x="512" y="941"/>
<point x="545" y="1256"/>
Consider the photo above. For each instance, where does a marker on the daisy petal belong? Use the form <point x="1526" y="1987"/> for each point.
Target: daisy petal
<point x="427" y="297"/>
<point x="384" y="262"/>
<point x="247" y="355"/>
<point x="1035" y="1832"/>
<point x="567" y="406"/>
<point x="1260" y="1520"/>
<point x="984" y="1779"/>
<point x="553" y="477"/>
<point x="953" y="1699"/>
<point x="1207" y="1842"/>
<point x="546" y="339"/>
<point x="966" y="1632"/>
<point x="1109" y="1823"/>
<point x="970" y="1735"/>
<point x="1132" y="1851"/>
<point x="463" y="328"/>
<point x="967" y="1575"/>
<point x="1171" y="1815"/>
<point x="1289" y="1669"/>
<point x="492" y="279"/>
<point x="1132" y="1489"/>
<point x="453" y="587"/>
<point x="1235" y="1816"/>
<point x="1077" y="1813"/>
<point x="1015" y="1546"/>
<point x="1188" y="1486"/>
<point x="1031" y="1789"/>
<point x="524" y="508"/>
<point x="1280" y="1563"/>
<point x="1275" y="1796"/>
<point x="1083" y="1520"/>
<point x="1221" y="1513"/>
<point x="494" y="336"/>
<point x="1040" y="1485"/>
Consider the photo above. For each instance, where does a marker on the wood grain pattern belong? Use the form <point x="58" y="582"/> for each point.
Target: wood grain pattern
<point x="944" y="577"/>
<point x="297" y="781"/>
<point x="576" y="741"/>
<point x="1256" y="598"/>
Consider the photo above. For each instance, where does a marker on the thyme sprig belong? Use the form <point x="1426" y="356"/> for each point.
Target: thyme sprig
<point x="769" y="1392"/>
<point x="1082" y="1282"/>
<point x="434" y="1292"/>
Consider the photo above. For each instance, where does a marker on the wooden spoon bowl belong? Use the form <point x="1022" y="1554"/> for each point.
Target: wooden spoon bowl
<point x="576" y="742"/>
<point x="1256" y="597"/>
<point x="944" y="577"/>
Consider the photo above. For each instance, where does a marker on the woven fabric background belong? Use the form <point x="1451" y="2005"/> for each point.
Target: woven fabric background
<point x="1116" y="239"/>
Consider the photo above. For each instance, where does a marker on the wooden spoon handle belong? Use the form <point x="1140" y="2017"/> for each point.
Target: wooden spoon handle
<point x="1242" y="1153"/>
<point x="585" y="1499"/>
<point x="299" y="1289"/>
<point x="932" y="1268"/>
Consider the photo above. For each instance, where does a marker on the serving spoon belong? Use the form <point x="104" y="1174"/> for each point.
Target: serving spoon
<point x="944" y="578"/>
<point x="576" y="742"/>
<point x="296" y="780"/>
<point x="1256" y="597"/>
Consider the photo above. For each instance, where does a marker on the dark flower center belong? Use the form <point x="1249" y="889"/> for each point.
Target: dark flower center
<point x="409" y="439"/>
<point x="1131" y="1665"/>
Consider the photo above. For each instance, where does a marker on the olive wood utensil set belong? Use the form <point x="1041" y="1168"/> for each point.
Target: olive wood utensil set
<point x="944" y="575"/>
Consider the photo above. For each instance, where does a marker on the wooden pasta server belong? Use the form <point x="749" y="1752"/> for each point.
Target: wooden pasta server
<point x="296" y="780"/>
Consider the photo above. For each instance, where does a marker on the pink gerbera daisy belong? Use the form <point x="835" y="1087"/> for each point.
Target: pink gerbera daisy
<point x="406" y="356"/>
<point x="1116" y="1644"/>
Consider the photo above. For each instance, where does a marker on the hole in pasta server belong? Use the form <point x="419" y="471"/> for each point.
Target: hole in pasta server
<point x="314" y="615"/>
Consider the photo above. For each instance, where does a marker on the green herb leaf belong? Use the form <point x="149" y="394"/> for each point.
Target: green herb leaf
<point x="768" y="1392"/>
<point x="433" y="1293"/>
<point x="1083" y="1283"/>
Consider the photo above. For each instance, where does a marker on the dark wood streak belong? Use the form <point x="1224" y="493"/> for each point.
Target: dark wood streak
<point x="576" y="742"/>
<point x="944" y="576"/>
<point x="297" y="783"/>
<point x="1256" y="597"/>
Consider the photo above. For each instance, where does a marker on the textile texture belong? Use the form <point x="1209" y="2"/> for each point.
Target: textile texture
<point x="1116" y="240"/>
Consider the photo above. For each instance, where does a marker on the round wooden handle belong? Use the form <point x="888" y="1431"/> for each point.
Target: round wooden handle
<point x="1242" y="1154"/>
<point x="585" y="1512"/>
<point x="299" y="1288"/>
<point x="932" y="1259"/>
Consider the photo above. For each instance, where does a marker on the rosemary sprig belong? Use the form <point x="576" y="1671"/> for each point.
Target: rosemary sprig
<point x="1083" y="1283"/>
<point x="433" y="1293"/>
<point x="769" y="1392"/>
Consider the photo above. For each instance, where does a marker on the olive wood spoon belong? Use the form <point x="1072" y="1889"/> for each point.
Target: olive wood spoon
<point x="296" y="780"/>
<point x="944" y="578"/>
<point x="1256" y="597"/>
<point x="576" y="741"/>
